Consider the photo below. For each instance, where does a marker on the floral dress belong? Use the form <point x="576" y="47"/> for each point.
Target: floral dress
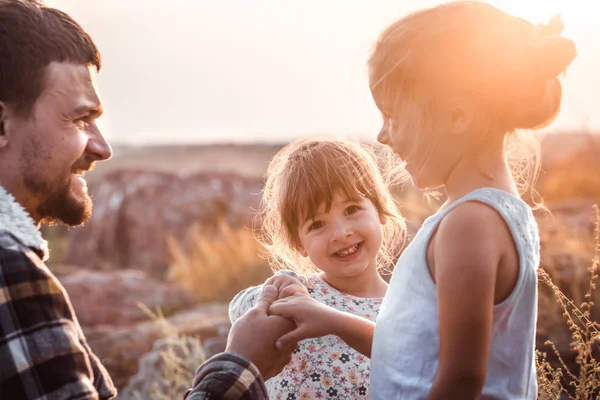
<point x="325" y="367"/>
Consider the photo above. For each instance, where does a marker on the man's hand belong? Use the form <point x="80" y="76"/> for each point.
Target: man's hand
<point x="253" y="336"/>
<point x="286" y="285"/>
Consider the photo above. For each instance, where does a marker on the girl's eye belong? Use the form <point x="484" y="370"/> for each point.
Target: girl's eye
<point x="315" y="225"/>
<point x="352" y="210"/>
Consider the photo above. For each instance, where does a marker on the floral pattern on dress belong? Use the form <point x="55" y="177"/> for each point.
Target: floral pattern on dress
<point x="325" y="367"/>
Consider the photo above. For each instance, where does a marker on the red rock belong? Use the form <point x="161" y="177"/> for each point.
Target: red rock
<point x="114" y="297"/>
<point x="135" y="211"/>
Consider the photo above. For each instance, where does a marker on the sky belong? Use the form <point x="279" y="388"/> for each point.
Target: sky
<point x="208" y="71"/>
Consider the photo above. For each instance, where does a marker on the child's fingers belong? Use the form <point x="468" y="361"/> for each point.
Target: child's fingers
<point x="291" y="290"/>
<point x="280" y="281"/>
<point x="273" y="281"/>
<point x="286" y="292"/>
<point x="282" y="308"/>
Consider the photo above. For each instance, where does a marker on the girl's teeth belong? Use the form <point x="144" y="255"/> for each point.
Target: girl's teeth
<point x="349" y="251"/>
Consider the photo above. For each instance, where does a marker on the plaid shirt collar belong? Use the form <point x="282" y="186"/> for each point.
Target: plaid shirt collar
<point x="16" y="221"/>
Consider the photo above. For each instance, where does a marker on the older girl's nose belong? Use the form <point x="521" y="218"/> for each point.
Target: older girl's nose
<point x="383" y="136"/>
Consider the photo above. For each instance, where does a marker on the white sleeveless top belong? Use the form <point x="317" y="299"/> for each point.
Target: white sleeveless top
<point x="405" y="351"/>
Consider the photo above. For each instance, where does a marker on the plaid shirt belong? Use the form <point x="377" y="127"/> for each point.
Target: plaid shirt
<point x="43" y="352"/>
<point x="227" y="376"/>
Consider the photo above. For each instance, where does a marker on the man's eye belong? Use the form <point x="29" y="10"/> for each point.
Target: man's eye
<point x="83" y="121"/>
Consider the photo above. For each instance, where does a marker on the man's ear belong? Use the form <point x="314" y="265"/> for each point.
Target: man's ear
<point x="4" y="112"/>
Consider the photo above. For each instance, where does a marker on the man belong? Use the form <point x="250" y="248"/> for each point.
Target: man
<point x="48" y="140"/>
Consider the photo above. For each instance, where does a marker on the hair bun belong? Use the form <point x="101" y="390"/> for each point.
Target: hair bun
<point x="552" y="52"/>
<point x="540" y="99"/>
<point x="554" y="27"/>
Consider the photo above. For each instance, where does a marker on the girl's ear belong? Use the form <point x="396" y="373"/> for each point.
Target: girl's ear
<point x="302" y="252"/>
<point x="382" y="219"/>
<point x="462" y="117"/>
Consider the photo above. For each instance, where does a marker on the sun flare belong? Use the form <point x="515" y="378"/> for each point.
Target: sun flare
<point x="576" y="15"/>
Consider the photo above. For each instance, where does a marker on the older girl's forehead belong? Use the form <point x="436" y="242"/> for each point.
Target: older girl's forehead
<point x="390" y="103"/>
<point x="378" y="97"/>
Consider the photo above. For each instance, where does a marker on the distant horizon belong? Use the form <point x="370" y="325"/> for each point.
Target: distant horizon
<point x="274" y="142"/>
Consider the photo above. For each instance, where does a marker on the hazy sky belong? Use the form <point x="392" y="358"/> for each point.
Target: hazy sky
<point x="272" y="70"/>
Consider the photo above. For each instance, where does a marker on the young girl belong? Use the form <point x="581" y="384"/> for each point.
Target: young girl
<point x="329" y="224"/>
<point x="453" y="83"/>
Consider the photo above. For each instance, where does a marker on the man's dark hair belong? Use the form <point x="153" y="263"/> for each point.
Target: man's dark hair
<point x="32" y="36"/>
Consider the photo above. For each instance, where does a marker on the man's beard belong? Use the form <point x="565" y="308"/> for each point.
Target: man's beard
<point x="60" y="204"/>
<point x="57" y="202"/>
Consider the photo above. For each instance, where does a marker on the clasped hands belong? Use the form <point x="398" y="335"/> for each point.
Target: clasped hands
<point x="284" y="314"/>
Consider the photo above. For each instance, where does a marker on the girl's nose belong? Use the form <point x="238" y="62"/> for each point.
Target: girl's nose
<point x="342" y="231"/>
<point x="383" y="136"/>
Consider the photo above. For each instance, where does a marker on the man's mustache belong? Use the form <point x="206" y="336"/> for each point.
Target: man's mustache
<point x="82" y="166"/>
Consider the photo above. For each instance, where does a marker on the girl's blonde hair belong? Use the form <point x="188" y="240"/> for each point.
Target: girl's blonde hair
<point x="508" y="67"/>
<point x="310" y="172"/>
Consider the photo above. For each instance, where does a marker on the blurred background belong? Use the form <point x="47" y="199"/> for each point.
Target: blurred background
<point x="198" y="96"/>
<point x="199" y="71"/>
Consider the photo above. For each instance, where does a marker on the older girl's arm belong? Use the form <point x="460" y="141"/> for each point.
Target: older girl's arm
<point x="467" y="250"/>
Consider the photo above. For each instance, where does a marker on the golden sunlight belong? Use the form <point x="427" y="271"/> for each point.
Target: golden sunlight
<point x="577" y="16"/>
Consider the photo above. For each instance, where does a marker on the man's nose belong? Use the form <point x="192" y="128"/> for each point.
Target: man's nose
<point x="98" y="148"/>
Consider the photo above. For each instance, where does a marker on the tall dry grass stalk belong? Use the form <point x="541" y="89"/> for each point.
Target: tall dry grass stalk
<point x="560" y="382"/>
<point x="166" y="372"/>
<point x="218" y="263"/>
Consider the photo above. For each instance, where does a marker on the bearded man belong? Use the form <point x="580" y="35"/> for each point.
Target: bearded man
<point x="49" y="138"/>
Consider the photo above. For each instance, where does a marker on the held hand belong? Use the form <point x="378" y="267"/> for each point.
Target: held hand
<point x="313" y="319"/>
<point x="253" y="336"/>
<point x="286" y="285"/>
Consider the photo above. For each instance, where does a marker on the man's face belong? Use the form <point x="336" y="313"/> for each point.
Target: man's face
<point x="57" y="143"/>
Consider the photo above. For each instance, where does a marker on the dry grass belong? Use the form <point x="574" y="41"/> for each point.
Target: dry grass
<point x="218" y="264"/>
<point x="574" y="176"/>
<point x="167" y="372"/>
<point x="557" y="380"/>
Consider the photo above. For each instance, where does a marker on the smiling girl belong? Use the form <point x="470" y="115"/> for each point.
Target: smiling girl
<point x="329" y="225"/>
